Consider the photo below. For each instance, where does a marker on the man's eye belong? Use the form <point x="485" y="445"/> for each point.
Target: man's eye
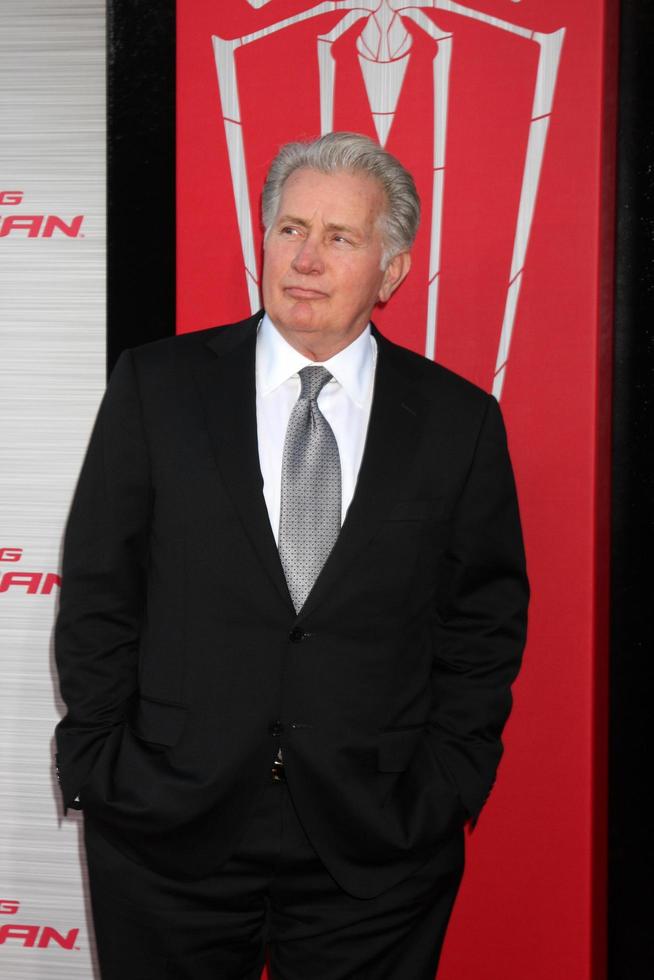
<point x="341" y="240"/>
<point x="288" y="230"/>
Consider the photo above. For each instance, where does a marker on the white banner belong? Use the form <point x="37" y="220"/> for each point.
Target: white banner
<point x="52" y="374"/>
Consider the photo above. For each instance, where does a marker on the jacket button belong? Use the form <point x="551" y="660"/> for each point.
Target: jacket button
<point x="276" y="728"/>
<point x="296" y="635"/>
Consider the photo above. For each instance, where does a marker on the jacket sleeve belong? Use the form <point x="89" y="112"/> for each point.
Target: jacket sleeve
<point x="102" y="595"/>
<point x="480" y="619"/>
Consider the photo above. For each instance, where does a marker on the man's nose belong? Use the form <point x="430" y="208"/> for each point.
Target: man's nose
<point x="307" y="258"/>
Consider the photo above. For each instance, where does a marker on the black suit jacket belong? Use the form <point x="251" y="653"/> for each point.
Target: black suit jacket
<point x="183" y="663"/>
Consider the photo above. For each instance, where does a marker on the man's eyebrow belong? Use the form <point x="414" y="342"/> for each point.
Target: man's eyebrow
<point x="292" y="220"/>
<point x="350" y="229"/>
<point x="331" y="226"/>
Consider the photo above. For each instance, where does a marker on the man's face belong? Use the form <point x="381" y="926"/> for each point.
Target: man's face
<point x="322" y="260"/>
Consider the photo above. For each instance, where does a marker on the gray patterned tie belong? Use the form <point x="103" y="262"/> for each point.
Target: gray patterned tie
<point x="310" y="516"/>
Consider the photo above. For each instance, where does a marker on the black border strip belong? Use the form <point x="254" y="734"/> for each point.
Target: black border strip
<point x="140" y="173"/>
<point x="631" y="746"/>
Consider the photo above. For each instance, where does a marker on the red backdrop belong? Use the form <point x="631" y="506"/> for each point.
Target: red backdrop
<point x="535" y="274"/>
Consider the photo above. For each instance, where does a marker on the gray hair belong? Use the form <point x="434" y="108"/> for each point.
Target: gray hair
<point x="354" y="153"/>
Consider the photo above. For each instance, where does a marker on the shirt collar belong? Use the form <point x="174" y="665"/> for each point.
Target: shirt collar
<point x="276" y="362"/>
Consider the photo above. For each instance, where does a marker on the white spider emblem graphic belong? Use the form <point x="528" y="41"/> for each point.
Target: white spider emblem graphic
<point x="384" y="50"/>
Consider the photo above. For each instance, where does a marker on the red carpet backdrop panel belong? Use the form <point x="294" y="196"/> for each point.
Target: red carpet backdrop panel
<point x="500" y="110"/>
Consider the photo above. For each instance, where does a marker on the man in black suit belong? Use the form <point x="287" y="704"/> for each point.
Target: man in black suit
<point x="277" y="725"/>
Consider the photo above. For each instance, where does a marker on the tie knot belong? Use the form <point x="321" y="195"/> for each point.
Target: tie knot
<point x="313" y="380"/>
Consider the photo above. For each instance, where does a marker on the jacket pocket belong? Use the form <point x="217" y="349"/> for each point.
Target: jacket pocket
<point x="157" y="721"/>
<point x="397" y="747"/>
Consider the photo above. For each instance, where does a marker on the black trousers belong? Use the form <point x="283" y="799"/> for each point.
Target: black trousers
<point x="273" y="898"/>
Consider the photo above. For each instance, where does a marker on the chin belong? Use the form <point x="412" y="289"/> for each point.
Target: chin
<point x="302" y="320"/>
<point x="303" y="326"/>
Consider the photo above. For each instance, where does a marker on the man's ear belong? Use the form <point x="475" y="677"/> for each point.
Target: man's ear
<point x="395" y="273"/>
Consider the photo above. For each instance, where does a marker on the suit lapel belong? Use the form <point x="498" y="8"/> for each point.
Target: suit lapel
<point x="393" y="431"/>
<point x="228" y="390"/>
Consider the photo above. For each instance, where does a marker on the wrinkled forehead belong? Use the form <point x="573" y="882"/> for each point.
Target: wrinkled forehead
<point x="346" y="194"/>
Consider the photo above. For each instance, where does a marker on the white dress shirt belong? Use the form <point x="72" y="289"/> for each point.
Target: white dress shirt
<point x="345" y="402"/>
